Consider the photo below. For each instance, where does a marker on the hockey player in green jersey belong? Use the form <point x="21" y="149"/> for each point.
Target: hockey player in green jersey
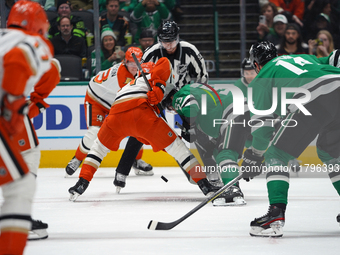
<point x="312" y="108"/>
<point x="219" y="144"/>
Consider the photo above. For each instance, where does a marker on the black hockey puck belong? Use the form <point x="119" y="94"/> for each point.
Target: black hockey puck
<point x="164" y="179"/>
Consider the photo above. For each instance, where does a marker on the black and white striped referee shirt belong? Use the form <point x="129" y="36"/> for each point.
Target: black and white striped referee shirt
<point x="187" y="62"/>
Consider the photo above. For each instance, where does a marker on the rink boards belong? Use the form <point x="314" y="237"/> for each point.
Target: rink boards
<point x="61" y="127"/>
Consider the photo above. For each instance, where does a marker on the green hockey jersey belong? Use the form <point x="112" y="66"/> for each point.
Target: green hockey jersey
<point x="292" y="71"/>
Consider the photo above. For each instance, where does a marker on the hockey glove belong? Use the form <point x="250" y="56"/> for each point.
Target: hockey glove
<point x="251" y="165"/>
<point x="188" y="132"/>
<point x="34" y="109"/>
<point x="155" y="96"/>
<point x="13" y="109"/>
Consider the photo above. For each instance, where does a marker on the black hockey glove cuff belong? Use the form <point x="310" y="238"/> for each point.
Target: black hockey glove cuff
<point x="251" y="165"/>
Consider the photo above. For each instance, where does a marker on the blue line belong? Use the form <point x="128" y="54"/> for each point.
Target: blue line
<point x="60" y="137"/>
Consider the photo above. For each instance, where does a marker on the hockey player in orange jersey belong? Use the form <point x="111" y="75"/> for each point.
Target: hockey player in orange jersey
<point x="25" y="57"/>
<point x="101" y="92"/>
<point x="135" y="113"/>
<point x="27" y="139"/>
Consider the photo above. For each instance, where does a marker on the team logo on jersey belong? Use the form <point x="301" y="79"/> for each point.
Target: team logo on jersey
<point x="100" y="118"/>
<point x="182" y="68"/>
<point x="21" y="142"/>
<point x="170" y="134"/>
<point x="3" y="171"/>
<point x="127" y="80"/>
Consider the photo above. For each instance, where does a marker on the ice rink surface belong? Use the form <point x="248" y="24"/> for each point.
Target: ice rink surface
<point x="102" y="222"/>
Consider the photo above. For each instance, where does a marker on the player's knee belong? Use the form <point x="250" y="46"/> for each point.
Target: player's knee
<point x="90" y="136"/>
<point x="178" y="150"/>
<point x="99" y="149"/>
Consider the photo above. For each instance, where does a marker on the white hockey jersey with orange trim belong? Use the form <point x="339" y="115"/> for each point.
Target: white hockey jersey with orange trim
<point x="30" y="52"/>
<point x="135" y="93"/>
<point x="105" y="85"/>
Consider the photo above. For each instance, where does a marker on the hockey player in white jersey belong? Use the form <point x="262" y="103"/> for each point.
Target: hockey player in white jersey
<point x="100" y="95"/>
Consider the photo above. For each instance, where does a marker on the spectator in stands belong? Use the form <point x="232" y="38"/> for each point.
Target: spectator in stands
<point x="8" y="6"/>
<point x="148" y="14"/>
<point x="116" y="22"/>
<point x="268" y="10"/>
<point x="67" y="43"/>
<point x="322" y="46"/>
<point x="64" y="10"/>
<point x="127" y="6"/>
<point x="82" y="5"/>
<point x="50" y="5"/>
<point x="146" y="39"/>
<point x="109" y="53"/>
<point x="292" y="42"/>
<point x="277" y="32"/>
<point x="292" y="9"/>
<point x="325" y="20"/>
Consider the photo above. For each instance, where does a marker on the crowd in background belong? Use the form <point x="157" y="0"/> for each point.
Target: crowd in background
<point x="122" y="23"/>
<point x="294" y="26"/>
<point x="300" y="26"/>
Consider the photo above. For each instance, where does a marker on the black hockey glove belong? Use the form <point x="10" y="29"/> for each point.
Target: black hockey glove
<point x="188" y="132"/>
<point x="251" y="165"/>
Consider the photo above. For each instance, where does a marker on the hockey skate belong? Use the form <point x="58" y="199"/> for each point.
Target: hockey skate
<point x="38" y="230"/>
<point x="142" y="168"/>
<point x="78" y="189"/>
<point x="230" y="197"/>
<point x="206" y="187"/>
<point x="269" y="225"/>
<point x="72" y="166"/>
<point x="119" y="181"/>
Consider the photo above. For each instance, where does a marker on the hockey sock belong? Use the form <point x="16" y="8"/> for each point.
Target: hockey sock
<point x="186" y="160"/>
<point x="87" y="171"/>
<point x="196" y="173"/>
<point x="277" y="181"/>
<point x="80" y="155"/>
<point x="281" y="206"/>
<point x="140" y="154"/>
<point x="229" y="171"/>
<point x="130" y="153"/>
<point x="12" y="242"/>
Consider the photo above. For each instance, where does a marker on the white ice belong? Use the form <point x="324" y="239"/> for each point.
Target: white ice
<point x="101" y="222"/>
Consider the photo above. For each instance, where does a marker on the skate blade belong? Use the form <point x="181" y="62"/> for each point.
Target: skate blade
<point x="143" y="173"/>
<point x="37" y="234"/>
<point x="73" y="197"/>
<point x="118" y="189"/>
<point x="238" y="201"/>
<point x="275" y="230"/>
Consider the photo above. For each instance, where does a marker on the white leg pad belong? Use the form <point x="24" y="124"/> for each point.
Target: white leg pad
<point x="18" y="196"/>
<point x="98" y="150"/>
<point x="88" y="139"/>
<point x="181" y="153"/>
<point x="32" y="159"/>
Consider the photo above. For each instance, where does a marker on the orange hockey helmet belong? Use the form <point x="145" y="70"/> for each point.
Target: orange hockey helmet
<point x="138" y="52"/>
<point x="29" y="16"/>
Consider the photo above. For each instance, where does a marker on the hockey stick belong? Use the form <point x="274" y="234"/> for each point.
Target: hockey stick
<point x="147" y="82"/>
<point x="156" y="225"/>
<point x="141" y="70"/>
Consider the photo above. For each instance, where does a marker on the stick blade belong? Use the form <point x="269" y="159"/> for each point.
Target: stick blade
<point x="155" y="225"/>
